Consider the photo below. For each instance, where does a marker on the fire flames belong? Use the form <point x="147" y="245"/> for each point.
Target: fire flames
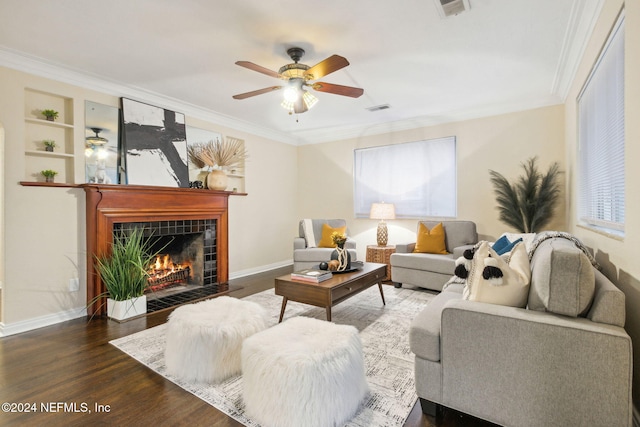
<point x="163" y="272"/>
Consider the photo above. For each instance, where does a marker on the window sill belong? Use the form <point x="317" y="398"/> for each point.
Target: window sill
<point x="615" y="235"/>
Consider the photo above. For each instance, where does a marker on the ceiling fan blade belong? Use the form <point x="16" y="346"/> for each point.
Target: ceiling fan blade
<point x="328" y="66"/>
<point x="258" y="68"/>
<point x="353" y="92"/>
<point x="256" y="92"/>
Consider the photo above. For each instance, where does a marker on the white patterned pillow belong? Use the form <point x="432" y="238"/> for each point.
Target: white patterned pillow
<point x="495" y="279"/>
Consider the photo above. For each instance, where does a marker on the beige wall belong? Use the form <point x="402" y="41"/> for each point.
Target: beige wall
<point x="1" y="218"/>
<point x="44" y="228"/>
<point x="500" y="143"/>
<point x="617" y="256"/>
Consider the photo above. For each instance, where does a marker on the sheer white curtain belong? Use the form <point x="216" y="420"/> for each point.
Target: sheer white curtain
<point x="419" y="178"/>
<point x="602" y="138"/>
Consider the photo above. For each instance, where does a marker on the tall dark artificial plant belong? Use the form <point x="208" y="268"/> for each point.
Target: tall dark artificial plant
<point x="527" y="205"/>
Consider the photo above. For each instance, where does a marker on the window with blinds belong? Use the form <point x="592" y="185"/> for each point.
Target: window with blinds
<point x="419" y="178"/>
<point x="601" y="139"/>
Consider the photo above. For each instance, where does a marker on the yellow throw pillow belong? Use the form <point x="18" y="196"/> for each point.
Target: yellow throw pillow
<point x="327" y="231"/>
<point x="431" y="242"/>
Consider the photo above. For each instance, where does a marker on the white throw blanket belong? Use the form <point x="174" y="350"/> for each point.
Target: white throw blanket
<point x="307" y="226"/>
<point x="539" y="238"/>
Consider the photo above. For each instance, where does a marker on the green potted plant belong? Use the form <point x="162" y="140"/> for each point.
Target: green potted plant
<point x="123" y="271"/>
<point x="50" y="115"/>
<point x="49" y="144"/>
<point x="48" y="175"/>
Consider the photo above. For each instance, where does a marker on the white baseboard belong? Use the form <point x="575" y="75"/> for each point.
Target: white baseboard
<point x="52" y="319"/>
<point x="260" y="269"/>
<point x="41" y="322"/>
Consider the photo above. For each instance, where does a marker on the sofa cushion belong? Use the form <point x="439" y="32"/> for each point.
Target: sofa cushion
<point x="424" y="334"/>
<point x="430" y="241"/>
<point x="326" y="241"/>
<point x="496" y="279"/>
<point x="443" y="264"/>
<point x="562" y="278"/>
<point x="317" y="254"/>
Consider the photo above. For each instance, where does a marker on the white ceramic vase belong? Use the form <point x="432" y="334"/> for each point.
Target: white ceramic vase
<point x="217" y="180"/>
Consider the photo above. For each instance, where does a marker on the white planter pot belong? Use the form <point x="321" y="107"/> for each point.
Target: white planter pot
<point x="120" y="310"/>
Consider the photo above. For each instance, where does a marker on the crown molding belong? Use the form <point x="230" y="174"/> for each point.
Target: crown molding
<point x="37" y="66"/>
<point x="582" y="21"/>
<point x="355" y="132"/>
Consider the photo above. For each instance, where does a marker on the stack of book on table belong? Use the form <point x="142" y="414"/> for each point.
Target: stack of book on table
<point x="311" y="275"/>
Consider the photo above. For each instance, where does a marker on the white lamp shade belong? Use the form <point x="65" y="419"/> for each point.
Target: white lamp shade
<point x="382" y="211"/>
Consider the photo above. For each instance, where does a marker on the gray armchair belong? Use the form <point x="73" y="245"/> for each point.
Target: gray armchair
<point x="309" y="257"/>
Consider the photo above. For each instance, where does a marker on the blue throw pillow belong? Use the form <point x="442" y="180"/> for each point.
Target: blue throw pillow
<point x="508" y="247"/>
<point x="501" y="243"/>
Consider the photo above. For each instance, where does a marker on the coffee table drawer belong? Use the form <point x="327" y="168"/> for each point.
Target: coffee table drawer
<point x="347" y="289"/>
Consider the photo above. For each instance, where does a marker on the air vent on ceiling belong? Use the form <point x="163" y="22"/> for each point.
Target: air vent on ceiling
<point x="379" y="107"/>
<point x="448" y="8"/>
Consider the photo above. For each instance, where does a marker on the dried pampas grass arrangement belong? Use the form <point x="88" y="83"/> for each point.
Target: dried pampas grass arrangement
<point x="222" y="153"/>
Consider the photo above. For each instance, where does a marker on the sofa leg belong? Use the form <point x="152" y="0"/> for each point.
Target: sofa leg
<point x="397" y="285"/>
<point x="431" y="408"/>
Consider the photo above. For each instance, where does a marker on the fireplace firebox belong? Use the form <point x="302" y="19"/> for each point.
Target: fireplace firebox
<point x="190" y="225"/>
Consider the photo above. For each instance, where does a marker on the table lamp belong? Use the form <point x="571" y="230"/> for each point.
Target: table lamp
<point x="382" y="211"/>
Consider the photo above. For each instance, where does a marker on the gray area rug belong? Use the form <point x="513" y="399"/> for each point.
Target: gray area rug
<point x="384" y="331"/>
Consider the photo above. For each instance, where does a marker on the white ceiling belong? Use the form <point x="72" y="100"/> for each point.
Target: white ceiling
<point x="500" y="56"/>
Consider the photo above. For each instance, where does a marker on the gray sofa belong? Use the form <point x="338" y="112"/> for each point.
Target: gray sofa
<point x="526" y="367"/>
<point x="310" y="257"/>
<point x="432" y="271"/>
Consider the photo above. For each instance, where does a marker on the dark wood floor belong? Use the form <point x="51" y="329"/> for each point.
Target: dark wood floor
<point x="73" y="363"/>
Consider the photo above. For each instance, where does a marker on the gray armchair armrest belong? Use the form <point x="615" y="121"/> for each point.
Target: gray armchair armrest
<point x="405" y="248"/>
<point x="350" y="243"/>
<point x="299" y="243"/>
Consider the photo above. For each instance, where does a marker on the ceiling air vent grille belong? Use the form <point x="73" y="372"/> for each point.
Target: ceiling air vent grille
<point x="379" y="107"/>
<point x="448" y="8"/>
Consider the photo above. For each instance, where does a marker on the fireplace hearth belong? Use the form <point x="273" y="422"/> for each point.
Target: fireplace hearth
<point x="190" y="224"/>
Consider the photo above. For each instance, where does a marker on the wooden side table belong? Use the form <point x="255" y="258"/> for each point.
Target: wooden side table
<point x="382" y="255"/>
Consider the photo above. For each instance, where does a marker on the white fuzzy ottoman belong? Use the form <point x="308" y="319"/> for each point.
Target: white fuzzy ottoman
<point x="303" y="372"/>
<point x="204" y="340"/>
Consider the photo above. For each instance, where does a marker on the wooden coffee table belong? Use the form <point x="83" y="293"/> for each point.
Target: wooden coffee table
<point x="333" y="291"/>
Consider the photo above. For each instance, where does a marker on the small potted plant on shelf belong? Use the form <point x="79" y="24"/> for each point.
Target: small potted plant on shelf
<point x="49" y="175"/>
<point x="50" y="115"/>
<point x="124" y="273"/>
<point x="49" y="144"/>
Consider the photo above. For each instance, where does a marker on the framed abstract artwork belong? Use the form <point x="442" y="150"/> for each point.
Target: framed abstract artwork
<point x="155" y="145"/>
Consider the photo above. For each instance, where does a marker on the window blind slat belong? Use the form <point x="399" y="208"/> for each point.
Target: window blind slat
<point x="602" y="137"/>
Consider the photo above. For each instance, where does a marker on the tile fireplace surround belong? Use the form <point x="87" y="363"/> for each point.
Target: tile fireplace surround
<point x="107" y="205"/>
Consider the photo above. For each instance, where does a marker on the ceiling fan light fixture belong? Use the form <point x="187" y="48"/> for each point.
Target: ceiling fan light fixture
<point x="291" y="94"/>
<point x="97" y="139"/>
<point x="287" y="105"/>
<point x="309" y="99"/>
<point x="298" y="77"/>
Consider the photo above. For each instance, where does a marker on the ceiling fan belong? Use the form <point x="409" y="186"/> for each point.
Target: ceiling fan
<point x="300" y="76"/>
